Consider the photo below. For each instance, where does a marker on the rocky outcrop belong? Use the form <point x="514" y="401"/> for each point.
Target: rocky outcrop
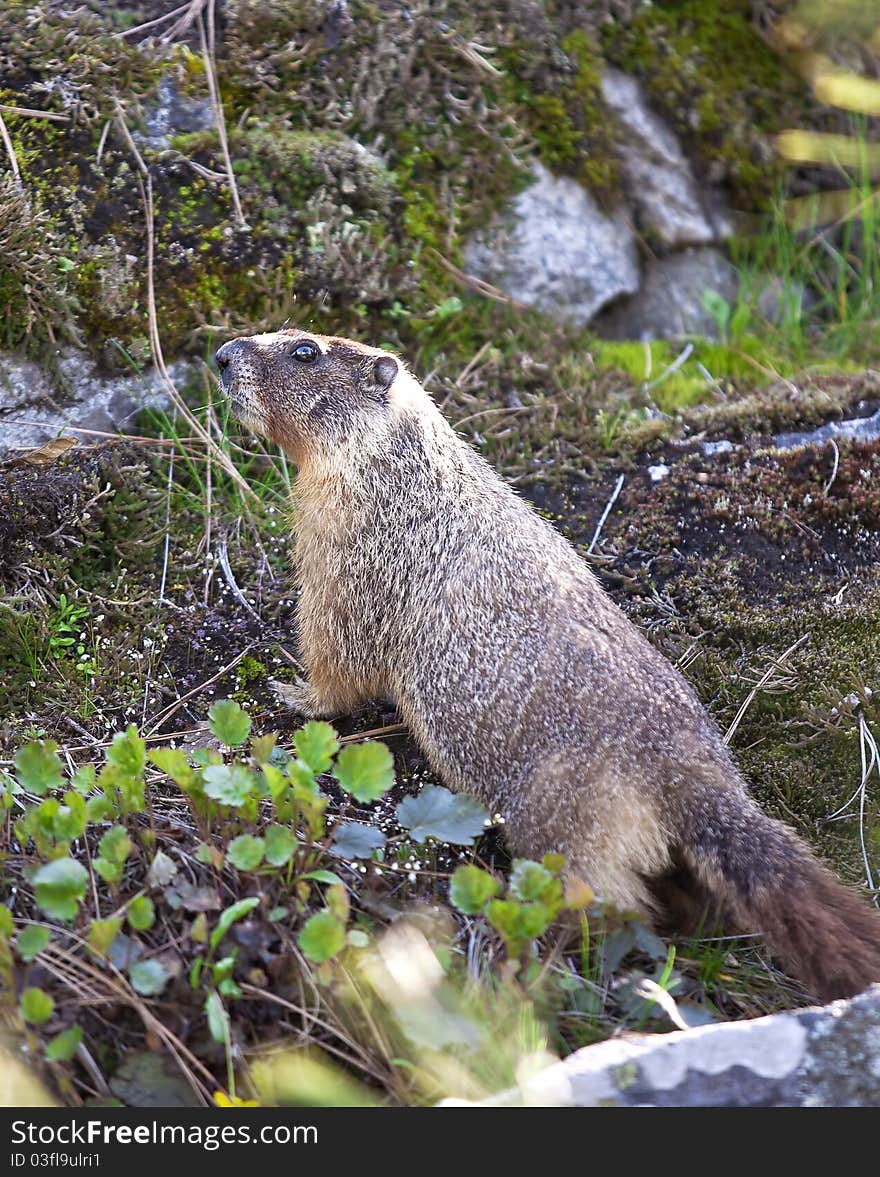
<point x="672" y="298"/>
<point x="669" y="203"/>
<point x="35" y="405"/>
<point x="821" y="1057"/>
<point x="556" y="250"/>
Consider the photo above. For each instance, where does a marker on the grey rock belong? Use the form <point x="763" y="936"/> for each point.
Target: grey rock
<point x="554" y="249"/>
<point x="670" y="303"/>
<point x="659" y="179"/>
<point x="173" y="114"/>
<point x="819" y="1057"/>
<point x="35" y="405"/>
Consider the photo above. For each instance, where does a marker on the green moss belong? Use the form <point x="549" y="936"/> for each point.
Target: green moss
<point x="554" y="87"/>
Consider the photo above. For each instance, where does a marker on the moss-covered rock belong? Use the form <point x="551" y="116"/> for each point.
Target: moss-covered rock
<point x="706" y="67"/>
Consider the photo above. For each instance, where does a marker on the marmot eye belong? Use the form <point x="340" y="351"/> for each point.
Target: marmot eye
<point x="306" y="353"/>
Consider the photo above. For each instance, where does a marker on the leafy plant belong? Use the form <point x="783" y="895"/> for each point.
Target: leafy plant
<point x="535" y="899"/>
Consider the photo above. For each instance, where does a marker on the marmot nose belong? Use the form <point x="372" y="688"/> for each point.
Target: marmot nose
<point x="227" y="352"/>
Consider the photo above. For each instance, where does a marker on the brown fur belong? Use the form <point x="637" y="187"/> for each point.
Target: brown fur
<point x="424" y="578"/>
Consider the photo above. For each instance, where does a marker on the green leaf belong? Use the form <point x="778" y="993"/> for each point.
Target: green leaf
<point x="302" y="778"/>
<point x="353" y="839"/>
<point x="245" y="852"/>
<point x="36" y="1006"/>
<point x="316" y="744"/>
<point x="205" y="854"/>
<point x="64" y="1046"/>
<point x="83" y="780"/>
<point x="366" y="771"/>
<point x="98" y="807"/>
<point x="128" y="752"/>
<point x="322" y="937"/>
<point x="262" y="748"/>
<point x="448" y="817"/>
<point x="71" y="818"/>
<point x="280" y="845"/>
<point x="7" y="923"/>
<point x="59" y="886"/>
<point x="227" y="918"/>
<point x="529" y="880"/>
<point x="31" y="942"/>
<point x="471" y="889"/>
<point x="230" y="784"/>
<point x="229" y="723"/>
<point x="218" y="1019"/>
<point x="102" y="933"/>
<point x="148" y="977"/>
<point x="358" y="939"/>
<point x="323" y="876"/>
<point x="503" y="915"/>
<point x="554" y="863"/>
<point x="39" y="768"/>
<point x="141" y="913"/>
<point x="277" y="913"/>
<point x="115" y="845"/>
<point x="534" y="884"/>
<point x="174" y="762"/>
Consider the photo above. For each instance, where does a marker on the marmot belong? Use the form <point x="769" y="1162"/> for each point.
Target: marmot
<point x="424" y="578"/>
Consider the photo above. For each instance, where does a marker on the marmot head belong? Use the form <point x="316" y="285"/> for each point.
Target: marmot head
<point x="312" y="393"/>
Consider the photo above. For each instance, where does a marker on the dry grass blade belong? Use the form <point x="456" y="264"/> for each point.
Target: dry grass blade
<point x="165" y="715"/>
<point x="764" y="679"/>
<point x="10" y="151"/>
<point x="29" y="112"/>
<point x="81" y="976"/>
<point x="207" y="43"/>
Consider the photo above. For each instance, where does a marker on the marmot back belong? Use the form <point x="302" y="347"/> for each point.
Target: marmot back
<point x="424" y="578"/>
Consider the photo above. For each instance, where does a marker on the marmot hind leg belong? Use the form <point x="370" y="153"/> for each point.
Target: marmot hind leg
<point x="302" y="697"/>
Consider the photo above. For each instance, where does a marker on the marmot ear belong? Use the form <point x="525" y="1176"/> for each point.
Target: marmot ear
<point x="383" y="373"/>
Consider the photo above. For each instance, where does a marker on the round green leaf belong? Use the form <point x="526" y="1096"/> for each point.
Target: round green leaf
<point x="36" y="1006"/>
<point x="38" y="767"/>
<point x="471" y="889"/>
<point x="280" y="845"/>
<point x="128" y="752"/>
<point x="102" y="933"/>
<point x="245" y="852"/>
<point x="229" y="723"/>
<point x="148" y="977"/>
<point x="365" y="770"/>
<point x="64" y="1046"/>
<point x="230" y="784"/>
<point x="438" y="813"/>
<point x="316" y="744"/>
<point x="353" y="839"/>
<point x="322" y="937"/>
<point x="59" y="886"/>
<point x="529" y="880"/>
<point x="31" y="941"/>
<point x="141" y="913"/>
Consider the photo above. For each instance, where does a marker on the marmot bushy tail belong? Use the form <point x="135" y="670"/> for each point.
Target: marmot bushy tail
<point x="425" y="579"/>
<point x="766" y="879"/>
